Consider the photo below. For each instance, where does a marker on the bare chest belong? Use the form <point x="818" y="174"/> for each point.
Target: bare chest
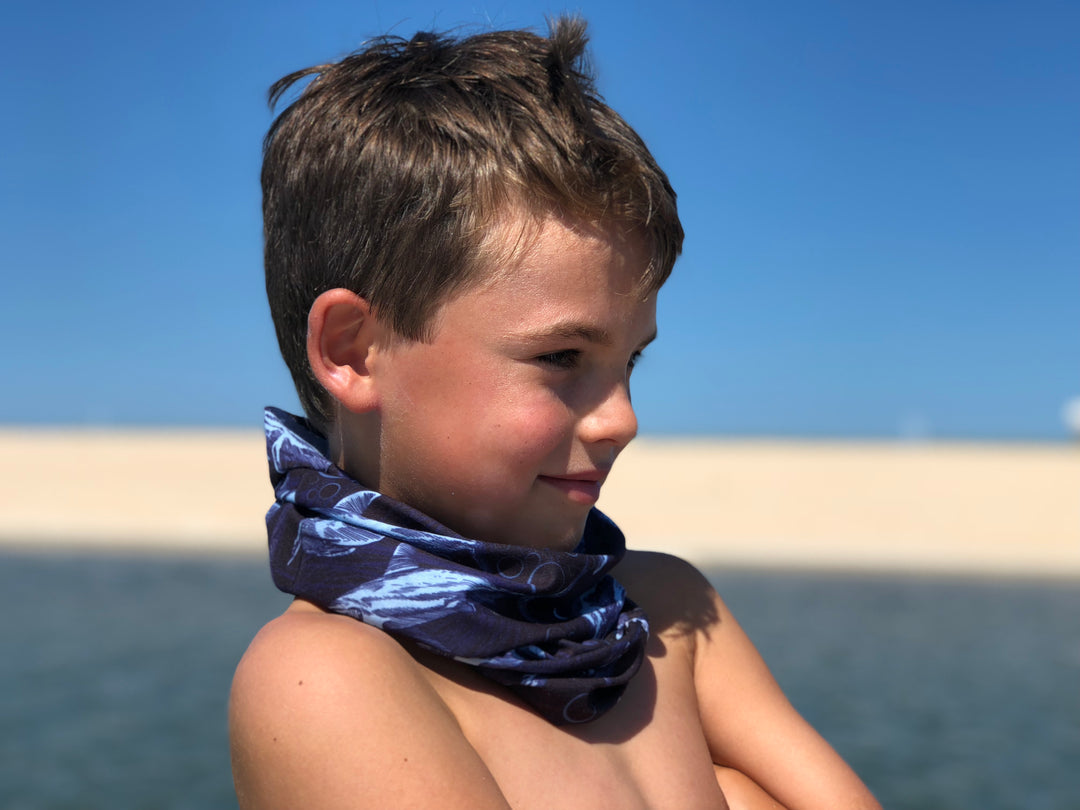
<point x="648" y="753"/>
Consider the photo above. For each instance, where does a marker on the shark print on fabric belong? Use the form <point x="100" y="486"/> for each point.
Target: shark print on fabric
<point x="554" y="627"/>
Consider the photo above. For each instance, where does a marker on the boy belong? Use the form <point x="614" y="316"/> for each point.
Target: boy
<point x="463" y="251"/>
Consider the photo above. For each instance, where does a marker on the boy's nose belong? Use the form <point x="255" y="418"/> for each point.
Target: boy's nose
<point x="612" y="419"/>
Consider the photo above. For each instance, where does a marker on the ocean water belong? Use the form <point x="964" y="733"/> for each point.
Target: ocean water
<point x="942" y="693"/>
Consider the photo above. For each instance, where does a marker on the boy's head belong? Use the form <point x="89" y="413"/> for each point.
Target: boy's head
<point x="392" y="174"/>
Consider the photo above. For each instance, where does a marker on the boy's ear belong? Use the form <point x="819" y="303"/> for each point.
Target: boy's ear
<point x="340" y="338"/>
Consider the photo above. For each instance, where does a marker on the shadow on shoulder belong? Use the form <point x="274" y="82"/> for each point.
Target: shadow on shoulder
<point x="676" y="596"/>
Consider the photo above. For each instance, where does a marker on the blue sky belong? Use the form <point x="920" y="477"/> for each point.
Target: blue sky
<point x="881" y="202"/>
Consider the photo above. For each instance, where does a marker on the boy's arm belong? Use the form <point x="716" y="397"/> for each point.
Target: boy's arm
<point x="328" y="714"/>
<point x="751" y="727"/>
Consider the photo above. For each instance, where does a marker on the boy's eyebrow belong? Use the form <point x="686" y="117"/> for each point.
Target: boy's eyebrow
<point x="576" y="329"/>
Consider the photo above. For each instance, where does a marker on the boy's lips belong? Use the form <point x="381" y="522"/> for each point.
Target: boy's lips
<point x="583" y="488"/>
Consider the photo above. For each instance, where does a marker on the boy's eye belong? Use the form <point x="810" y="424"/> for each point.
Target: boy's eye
<point x="566" y="359"/>
<point x="571" y="358"/>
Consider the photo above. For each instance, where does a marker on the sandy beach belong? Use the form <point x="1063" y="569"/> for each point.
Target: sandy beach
<point x="985" y="509"/>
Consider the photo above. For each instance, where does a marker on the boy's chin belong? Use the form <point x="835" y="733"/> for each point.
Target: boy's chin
<point x="553" y="538"/>
<point x="565" y="538"/>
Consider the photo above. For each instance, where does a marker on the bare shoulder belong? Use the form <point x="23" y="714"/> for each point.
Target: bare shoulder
<point x="674" y="593"/>
<point x="681" y="602"/>
<point x="326" y="712"/>
<point x="749" y="725"/>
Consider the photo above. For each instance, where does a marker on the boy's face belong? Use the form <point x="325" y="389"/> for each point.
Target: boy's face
<point x="504" y="425"/>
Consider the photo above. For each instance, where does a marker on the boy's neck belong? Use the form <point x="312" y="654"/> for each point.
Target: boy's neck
<point x="354" y="446"/>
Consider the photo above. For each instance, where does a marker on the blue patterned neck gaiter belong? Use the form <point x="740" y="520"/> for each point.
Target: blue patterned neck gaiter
<point x="552" y="626"/>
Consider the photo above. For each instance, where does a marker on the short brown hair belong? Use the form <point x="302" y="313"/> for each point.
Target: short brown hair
<point x="387" y="171"/>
